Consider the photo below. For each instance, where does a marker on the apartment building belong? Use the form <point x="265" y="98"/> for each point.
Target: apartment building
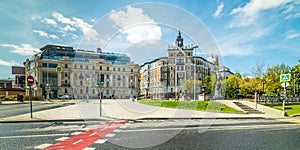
<point x="82" y="73"/>
<point x="164" y="77"/>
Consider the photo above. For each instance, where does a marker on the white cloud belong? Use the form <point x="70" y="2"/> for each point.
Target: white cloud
<point x="8" y="63"/>
<point x="46" y="35"/>
<point x="292" y="34"/>
<point x="73" y="23"/>
<point x="68" y="28"/>
<point x="136" y="25"/>
<point x="50" y="21"/>
<point x="288" y="9"/>
<point x="247" y="15"/>
<point x="59" y="17"/>
<point x="292" y="16"/>
<point x="219" y="10"/>
<point x="24" y="49"/>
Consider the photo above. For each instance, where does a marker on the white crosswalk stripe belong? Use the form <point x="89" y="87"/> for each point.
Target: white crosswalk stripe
<point x="42" y="146"/>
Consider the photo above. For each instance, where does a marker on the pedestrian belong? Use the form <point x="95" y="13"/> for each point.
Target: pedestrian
<point x="18" y="97"/>
<point x="21" y="98"/>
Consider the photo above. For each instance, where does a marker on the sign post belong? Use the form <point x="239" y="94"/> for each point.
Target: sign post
<point x="30" y="82"/>
<point x="284" y="79"/>
<point x="48" y="89"/>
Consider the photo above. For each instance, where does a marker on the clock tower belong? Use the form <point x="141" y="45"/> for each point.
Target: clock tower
<point x="179" y="40"/>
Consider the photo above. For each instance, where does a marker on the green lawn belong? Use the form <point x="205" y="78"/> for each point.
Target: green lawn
<point x="291" y="110"/>
<point x="191" y="105"/>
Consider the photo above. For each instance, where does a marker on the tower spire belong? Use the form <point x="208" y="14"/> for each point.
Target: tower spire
<point x="179" y="40"/>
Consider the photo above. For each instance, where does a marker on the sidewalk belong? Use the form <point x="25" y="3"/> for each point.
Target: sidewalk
<point x="121" y="109"/>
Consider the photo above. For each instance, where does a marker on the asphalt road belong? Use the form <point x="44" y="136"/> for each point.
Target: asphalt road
<point x="157" y="134"/>
<point x="23" y="108"/>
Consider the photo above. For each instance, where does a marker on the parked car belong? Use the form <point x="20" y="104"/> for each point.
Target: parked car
<point x="65" y="97"/>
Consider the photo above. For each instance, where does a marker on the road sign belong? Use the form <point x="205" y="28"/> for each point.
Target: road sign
<point x="48" y="88"/>
<point x="88" y="83"/>
<point x="30" y="80"/>
<point x="58" y="69"/>
<point x="285" y="84"/>
<point x="285" y="77"/>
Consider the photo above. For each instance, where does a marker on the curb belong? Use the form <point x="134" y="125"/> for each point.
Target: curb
<point x="198" y="118"/>
<point x="53" y="120"/>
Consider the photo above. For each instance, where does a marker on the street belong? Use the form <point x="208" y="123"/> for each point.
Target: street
<point x="23" y="108"/>
<point x="159" y="134"/>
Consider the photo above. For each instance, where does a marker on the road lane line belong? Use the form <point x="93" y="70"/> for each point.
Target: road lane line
<point x="101" y="141"/>
<point x="93" y="134"/>
<point x="62" y="138"/>
<point x="32" y="136"/>
<point x="77" y="141"/>
<point x="42" y="146"/>
<point x="84" y="139"/>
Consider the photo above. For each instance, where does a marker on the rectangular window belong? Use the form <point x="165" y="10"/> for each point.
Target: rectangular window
<point x="81" y="83"/>
<point x="123" y="69"/>
<point x="119" y="69"/>
<point x="107" y="68"/>
<point x="66" y="74"/>
<point x="66" y="65"/>
<point x="114" y="76"/>
<point x="114" y="69"/>
<point x="100" y="68"/>
<point x="93" y="91"/>
<point x="93" y="67"/>
<point x="75" y="66"/>
<point x="171" y="82"/>
<point x="107" y="76"/>
<point x="81" y="91"/>
<point x="81" y="67"/>
<point x="75" y="74"/>
<point x="87" y="67"/>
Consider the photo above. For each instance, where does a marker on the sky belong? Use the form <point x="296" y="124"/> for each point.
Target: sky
<point x="242" y="33"/>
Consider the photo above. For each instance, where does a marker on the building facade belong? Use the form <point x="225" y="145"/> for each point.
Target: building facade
<point x="164" y="77"/>
<point x="82" y="74"/>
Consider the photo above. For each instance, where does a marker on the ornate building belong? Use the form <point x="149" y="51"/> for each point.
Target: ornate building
<point x="82" y="74"/>
<point x="164" y="77"/>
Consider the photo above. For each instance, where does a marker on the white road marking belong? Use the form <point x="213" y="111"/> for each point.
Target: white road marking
<point x="77" y="141"/>
<point x="75" y="133"/>
<point x="101" y="141"/>
<point x="31" y="136"/>
<point x="93" y="134"/>
<point x="117" y="130"/>
<point x="123" y="127"/>
<point x="89" y="148"/>
<point x="42" y="146"/>
<point x="62" y="139"/>
<point x="109" y="135"/>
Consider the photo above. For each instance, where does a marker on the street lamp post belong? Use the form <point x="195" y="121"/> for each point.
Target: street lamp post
<point x="195" y="47"/>
<point x="100" y="97"/>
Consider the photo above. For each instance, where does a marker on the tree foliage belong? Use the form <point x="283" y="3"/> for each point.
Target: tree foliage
<point x="265" y="83"/>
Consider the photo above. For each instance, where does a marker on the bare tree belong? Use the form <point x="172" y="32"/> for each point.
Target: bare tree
<point x="258" y="70"/>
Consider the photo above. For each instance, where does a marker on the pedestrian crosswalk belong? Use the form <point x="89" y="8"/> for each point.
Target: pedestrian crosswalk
<point x="81" y="140"/>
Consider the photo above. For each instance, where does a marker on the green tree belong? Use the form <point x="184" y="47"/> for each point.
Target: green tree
<point x="272" y="79"/>
<point x="188" y="86"/>
<point x="209" y="83"/>
<point x="232" y="85"/>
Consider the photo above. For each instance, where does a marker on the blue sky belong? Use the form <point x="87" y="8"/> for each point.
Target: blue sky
<point x="242" y="32"/>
